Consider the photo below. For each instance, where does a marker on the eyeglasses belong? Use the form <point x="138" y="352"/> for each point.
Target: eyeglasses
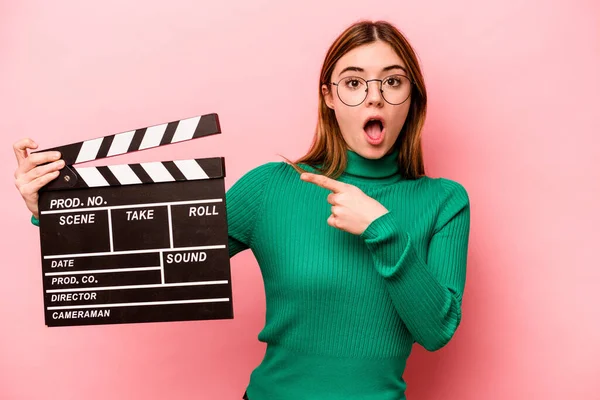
<point x="352" y="90"/>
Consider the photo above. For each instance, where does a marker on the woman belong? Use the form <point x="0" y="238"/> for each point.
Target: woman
<point x="361" y="256"/>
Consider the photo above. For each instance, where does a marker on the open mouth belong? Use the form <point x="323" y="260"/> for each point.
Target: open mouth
<point x="374" y="130"/>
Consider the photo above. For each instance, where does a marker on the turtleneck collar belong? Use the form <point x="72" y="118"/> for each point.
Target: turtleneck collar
<point x="363" y="170"/>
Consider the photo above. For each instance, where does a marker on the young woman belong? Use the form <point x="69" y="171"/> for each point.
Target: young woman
<point x="362" y="255"/>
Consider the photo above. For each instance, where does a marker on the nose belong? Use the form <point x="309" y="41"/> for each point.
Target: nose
<point x="374" y="95"/>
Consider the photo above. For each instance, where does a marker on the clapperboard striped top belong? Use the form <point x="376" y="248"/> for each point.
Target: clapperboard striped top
<point x="141" y="139"/>
<point x="151" y="172"/>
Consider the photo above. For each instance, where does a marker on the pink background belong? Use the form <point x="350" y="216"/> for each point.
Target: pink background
<point x="514" y="95"/>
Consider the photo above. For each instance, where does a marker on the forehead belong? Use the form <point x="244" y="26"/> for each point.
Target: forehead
<point x="372" y="57"/>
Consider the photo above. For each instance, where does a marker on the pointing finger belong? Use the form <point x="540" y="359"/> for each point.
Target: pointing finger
<point x="324" y="182"/>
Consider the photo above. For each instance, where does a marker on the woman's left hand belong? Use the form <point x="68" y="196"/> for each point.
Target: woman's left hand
<point x="351" y="209"/>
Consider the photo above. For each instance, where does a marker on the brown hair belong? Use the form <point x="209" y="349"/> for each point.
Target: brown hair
<point x="328" y="150"/>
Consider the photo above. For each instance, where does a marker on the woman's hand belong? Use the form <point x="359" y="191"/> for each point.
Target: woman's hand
<point x="30" y="176"/>
<point x="351" y="209"/>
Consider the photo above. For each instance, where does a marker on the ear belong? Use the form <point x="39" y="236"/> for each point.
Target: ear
<point x="327" y="95"/>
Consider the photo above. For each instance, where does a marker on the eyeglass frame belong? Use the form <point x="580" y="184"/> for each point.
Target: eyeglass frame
<point x="337" y="90"/>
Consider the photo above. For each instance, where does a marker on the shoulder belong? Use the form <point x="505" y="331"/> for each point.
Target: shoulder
<point x="263" y="171"/>
<point x="259" y="177"/>
<point x="440" y="188"/>
<point x="449" y="196"/>
<point x="452" y="190"/>
<point x="453" y="202"/>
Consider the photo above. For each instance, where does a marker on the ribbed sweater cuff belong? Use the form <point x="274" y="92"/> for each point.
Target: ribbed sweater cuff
<point x="388" y="244"/>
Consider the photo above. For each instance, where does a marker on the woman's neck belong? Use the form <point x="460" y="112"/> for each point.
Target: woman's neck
<point x="383" y="170"/>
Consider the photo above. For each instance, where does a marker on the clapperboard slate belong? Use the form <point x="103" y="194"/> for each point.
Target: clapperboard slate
<point x="137" y="242"/>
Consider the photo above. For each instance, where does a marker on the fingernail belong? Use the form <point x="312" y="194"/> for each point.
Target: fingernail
<point x="60" y="163"/>
<point x="56" y="155"/>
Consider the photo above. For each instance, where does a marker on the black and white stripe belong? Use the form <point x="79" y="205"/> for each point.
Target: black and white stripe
<point x="140" y="139"/>
<point x="150" y="172"/>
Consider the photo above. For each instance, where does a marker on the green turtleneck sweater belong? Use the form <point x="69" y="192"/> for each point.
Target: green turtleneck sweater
<point x="344" y="310"/>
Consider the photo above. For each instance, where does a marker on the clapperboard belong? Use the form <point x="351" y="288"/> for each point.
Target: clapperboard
<point x="140" y="242"/>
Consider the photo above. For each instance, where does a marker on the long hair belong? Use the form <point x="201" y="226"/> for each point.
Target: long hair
<point x="327" y="153"/>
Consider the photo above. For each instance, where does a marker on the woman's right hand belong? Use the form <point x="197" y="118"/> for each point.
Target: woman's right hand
<point x="30" y="176"/>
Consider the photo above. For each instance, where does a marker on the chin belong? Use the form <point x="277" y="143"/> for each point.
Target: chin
<point x="373" y="152"/>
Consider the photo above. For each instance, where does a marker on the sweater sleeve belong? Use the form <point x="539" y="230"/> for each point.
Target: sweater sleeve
<point x="427" y="294"/>
<point x="244" y="203"/>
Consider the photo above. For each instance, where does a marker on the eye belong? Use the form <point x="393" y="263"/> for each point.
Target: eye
<point x="394" y="81"/>
<point x="353" y="83"/>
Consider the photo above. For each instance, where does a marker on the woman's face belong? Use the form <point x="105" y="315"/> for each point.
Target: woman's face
<point x="376" y="60"/>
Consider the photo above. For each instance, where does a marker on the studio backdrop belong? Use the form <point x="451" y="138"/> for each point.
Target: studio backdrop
<point x="513" y="89"/>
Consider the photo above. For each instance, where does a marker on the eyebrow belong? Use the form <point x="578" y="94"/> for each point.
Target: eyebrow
<point x="388" y="68"/>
